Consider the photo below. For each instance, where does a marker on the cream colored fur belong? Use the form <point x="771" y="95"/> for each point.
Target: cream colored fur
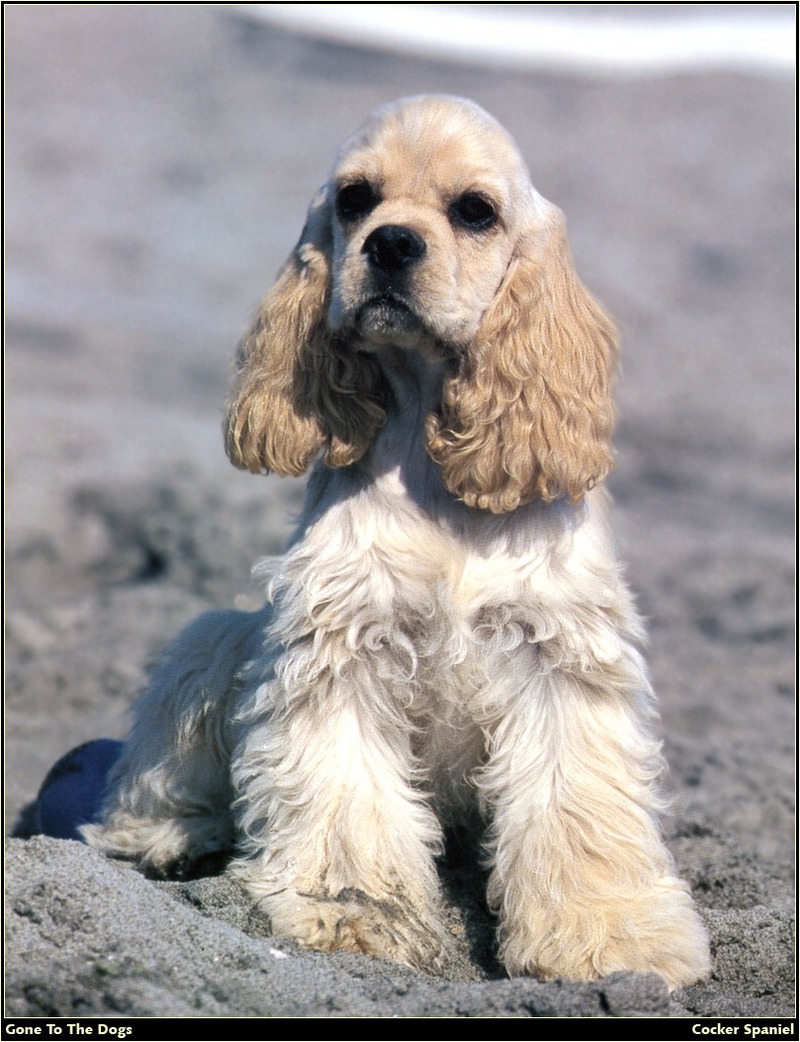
<point x="449" y="626"/>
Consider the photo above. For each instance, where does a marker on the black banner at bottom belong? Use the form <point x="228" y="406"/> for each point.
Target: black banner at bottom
<point x="163" y="1029"/>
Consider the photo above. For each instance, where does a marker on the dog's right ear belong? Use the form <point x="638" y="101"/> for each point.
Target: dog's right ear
<point x="270" y="423"/>
<point x="298" y="390"/>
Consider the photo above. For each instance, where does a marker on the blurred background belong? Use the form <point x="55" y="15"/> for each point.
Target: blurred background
<point x="159" y="161"/>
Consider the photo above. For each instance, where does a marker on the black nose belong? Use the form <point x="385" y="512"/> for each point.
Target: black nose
<point x="393" y="247"/>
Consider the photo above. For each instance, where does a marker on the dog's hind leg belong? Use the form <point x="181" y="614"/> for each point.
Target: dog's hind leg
<point x="169" y="798"/>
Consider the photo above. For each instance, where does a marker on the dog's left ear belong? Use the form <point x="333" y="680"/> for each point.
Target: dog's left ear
<point x="529" y="414"/>
<point x="299" y="391"/>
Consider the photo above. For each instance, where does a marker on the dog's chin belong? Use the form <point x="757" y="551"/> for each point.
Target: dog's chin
<point x="388" y="320"/>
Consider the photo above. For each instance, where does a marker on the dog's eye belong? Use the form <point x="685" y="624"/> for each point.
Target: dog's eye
<point x="472" y="211"/>
<point x="356" y="200"/>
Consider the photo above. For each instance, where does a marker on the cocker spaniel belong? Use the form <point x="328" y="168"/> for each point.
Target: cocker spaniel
<point x="449" y="628"/>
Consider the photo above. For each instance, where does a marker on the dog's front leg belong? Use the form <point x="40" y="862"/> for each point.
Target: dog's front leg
<point x="339" y="844"/>
<point x="581" y="880"/>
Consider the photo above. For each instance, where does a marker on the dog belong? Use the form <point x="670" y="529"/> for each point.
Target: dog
<point x="449" y="628"/>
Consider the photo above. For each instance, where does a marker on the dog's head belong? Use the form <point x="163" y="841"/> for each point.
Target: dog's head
<point x="428" y="199"/>
<point x="429" y="237"/>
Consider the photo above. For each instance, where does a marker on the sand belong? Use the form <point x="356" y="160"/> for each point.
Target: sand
<point x="159" y="160"/>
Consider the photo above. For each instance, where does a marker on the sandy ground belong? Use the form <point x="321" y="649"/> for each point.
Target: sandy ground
<point x="159" y="159"/>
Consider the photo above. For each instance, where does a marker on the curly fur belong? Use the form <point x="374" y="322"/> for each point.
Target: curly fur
<point x="449" y="627"/>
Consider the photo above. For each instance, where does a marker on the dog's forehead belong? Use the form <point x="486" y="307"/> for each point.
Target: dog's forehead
<point x="445" y="143"/>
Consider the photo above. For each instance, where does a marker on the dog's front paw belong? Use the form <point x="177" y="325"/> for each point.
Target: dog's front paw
<point x="655" y="932"/>
<point x="351" y="921"/>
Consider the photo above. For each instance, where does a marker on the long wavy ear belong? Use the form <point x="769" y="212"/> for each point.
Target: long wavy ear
<point x="299" y="390"/>
<point x="528" y="414"/>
